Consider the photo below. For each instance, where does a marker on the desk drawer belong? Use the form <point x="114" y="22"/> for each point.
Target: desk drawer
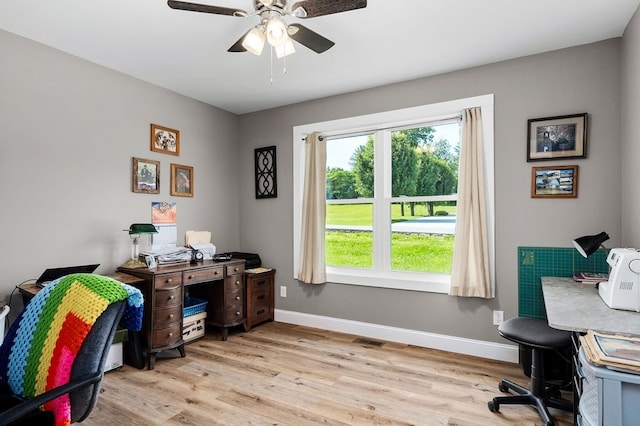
<point x="234" y="283"/>
<point x="168" y="280"/>
<point x="234" y="313"/>
<point x="238" y="268"/>
<point x="166" y="335"/>
<point x="164" y="316"/>
<point x="233" y="297"/>
<point x="260" y="314"/>
<point x="203" y="275"/>
<point x="261" y="298"/>
<point x="166" y="297"/>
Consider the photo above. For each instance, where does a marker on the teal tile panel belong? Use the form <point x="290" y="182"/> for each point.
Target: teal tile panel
<point x="537" y="262"/>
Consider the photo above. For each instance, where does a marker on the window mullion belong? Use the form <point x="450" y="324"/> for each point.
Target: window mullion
<point x="382" y="211"/>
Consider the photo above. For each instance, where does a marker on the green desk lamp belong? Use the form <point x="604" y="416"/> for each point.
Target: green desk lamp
<point x="135" y="230"/>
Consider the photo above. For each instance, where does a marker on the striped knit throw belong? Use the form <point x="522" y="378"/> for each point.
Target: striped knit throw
<point x="41" y="346"/>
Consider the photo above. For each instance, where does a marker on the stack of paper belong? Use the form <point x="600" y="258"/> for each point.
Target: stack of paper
<point x="197" y="237"/>
<point x="612" y="351"/>
<point x="170" y="255"/>
<point x="257" y="270"/>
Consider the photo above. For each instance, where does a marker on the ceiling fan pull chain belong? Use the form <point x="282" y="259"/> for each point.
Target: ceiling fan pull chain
<point x="271" y="64"/>
<point x="284" y="65"/>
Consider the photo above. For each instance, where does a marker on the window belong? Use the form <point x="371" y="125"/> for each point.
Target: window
<point x="391" y="194"/>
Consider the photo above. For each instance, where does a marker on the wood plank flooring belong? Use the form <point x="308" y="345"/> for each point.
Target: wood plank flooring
<point x="283" y="374"/>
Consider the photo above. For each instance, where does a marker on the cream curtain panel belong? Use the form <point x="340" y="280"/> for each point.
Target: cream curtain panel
<point x="470" y="268"/>
<point x="312" y="264"/>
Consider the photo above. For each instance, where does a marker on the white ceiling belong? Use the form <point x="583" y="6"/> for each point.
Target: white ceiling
<point x="388" y="41"/>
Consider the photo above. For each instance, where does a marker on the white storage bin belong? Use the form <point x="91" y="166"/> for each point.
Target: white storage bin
<point x="193" y="326"/>
<point x="114" y="358"/>
<point x="609" y="397"/>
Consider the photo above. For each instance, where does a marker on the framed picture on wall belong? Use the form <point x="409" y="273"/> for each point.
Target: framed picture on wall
<point x="165" y="140"/>
<point x="181" y="180"/>
<point x="551" y="138"/>
<point x="554" y="182"/>
<point x="145" y="176"/>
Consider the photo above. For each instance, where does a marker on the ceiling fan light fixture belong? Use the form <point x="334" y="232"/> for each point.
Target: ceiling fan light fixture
<point x="254" y="41"/>
<point x="285" y="49"/>
<point x="276" y="32"/>
<point x="299" y="12"/>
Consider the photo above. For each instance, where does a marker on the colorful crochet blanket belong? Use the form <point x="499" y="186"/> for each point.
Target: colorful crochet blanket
<point x="40" y="348"/>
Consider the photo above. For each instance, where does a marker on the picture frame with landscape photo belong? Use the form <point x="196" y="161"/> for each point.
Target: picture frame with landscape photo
<point x="554" y="182"/>
<point x="181" y="180"/>
<point x="551" y="138"/>
<point x="165" y="140"/>
<point x="145" y="176"/>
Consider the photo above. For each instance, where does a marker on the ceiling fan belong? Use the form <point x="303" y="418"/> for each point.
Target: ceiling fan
<point x="272" y="28"/>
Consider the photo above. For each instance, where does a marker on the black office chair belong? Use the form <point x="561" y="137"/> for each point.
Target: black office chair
<point x="52" y="359"/>
<point x="536" y="335"/>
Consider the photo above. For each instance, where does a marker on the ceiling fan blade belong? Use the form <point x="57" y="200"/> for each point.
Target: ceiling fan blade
<point x="308" y="38"/>
<point x="315" y="8"/>
<point x="237" y="46"/>
<point x="205" y="8"/>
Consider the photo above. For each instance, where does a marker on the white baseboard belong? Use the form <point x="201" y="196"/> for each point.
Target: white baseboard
<point x="479" y="348"/>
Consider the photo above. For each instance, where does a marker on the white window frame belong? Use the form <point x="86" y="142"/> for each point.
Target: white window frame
<point x="438" y="283"/>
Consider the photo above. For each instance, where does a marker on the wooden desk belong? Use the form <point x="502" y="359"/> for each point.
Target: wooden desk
<point x="28" y="290"/>
<point x="221" y="284"/>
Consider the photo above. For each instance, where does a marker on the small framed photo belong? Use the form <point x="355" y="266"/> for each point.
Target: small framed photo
<point x="551" y="138"/>
<point x="165" y="140"/>
<point x="145" y="176"/>
<point x="554" y="182"/>
<point x="150" y="261"/>
<point x="181" y="180"/>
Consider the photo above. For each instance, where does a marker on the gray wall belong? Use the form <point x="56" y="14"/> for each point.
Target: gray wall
<point x="630" y="143"/>
<point x="69" y="131"/>
<point x="581" y="79"/>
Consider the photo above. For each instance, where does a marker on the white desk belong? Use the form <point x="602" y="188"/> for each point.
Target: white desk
<point x="578" y="307"/>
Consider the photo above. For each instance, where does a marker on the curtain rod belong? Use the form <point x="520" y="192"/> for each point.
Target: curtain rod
<point x="372" y="129"/>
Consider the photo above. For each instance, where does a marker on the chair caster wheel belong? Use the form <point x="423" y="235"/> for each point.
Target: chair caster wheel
<point x="493" y="406"/>
<point x="502" y="387"/>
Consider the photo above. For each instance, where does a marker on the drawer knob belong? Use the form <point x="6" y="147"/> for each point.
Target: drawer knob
<point x="169" y="280"/>
<point x="236" y="269"/>
<point x="170" y="316"/>
<point x="237" y="282"/>
<point x="190" y="277"/>
<point x="237" y="297"/>
<point x="170" y="334"/>
<point x="216" y="272"/>
<point x="172" y="297"/>
<point x="237" y="313"/>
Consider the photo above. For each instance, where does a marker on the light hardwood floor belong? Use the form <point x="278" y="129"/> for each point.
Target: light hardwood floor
<point x="282" y="374"/>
